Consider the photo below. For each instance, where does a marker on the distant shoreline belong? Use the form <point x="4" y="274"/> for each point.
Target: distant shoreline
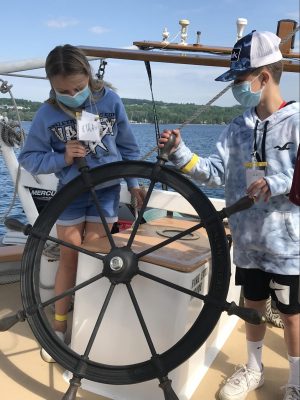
<point x="141" y="111"/>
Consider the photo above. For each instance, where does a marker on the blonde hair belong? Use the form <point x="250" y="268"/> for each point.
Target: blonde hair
<point x="68" y="60"/>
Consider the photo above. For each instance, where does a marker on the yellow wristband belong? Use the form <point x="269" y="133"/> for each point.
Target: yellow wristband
<point x="255" y="164"/>
<point x="61" y="317"/>
<point x="190" y="165"/>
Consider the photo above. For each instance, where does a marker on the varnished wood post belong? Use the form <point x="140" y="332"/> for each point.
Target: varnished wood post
<point x="284" y="28"/>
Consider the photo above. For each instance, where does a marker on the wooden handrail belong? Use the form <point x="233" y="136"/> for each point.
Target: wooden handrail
<point x="147" y="45"/>
<point x="163" y="56"/>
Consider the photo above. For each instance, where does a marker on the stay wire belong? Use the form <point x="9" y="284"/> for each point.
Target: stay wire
<point x="156" y="124"/>
<point x="209" y="103"/>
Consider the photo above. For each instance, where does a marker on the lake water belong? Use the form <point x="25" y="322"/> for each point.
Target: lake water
<point x="200" y="138"/>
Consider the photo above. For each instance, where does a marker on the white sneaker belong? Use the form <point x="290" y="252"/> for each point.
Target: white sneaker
<point x="292" y="392"/>
<point x="241" y="383"/>
<point x="45" y="355"/>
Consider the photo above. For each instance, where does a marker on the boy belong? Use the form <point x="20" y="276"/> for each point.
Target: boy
<point x="256" y="154"/>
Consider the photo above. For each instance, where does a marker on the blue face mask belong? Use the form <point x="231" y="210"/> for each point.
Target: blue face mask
<point x="243" y="94"/>
<point x="74" y="101"/>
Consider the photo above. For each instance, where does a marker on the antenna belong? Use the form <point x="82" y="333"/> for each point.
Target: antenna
<point x="240" y="25"/>
<point x="198" y="39"/>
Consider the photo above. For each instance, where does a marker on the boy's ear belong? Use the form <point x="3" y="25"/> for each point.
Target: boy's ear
<point x="266" y="76"/>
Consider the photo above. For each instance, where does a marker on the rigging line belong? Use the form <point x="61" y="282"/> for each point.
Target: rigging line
<point x="156" y="125"/>
<point x="13" y="200"/>
<point x="157" y="130"/>
<point x="230" y="85"/>
<point x="24" y="76"/>
<point x="210" y="102"/>
<point x="171" y="41"/>
<point x="194" y="116"/>
<point x="291" y="34"/>
<point x="148" y="69"/>
<point x="165" y="45"/>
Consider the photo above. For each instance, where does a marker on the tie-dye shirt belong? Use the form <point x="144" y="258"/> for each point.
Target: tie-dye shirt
<point x="266" y="236"/>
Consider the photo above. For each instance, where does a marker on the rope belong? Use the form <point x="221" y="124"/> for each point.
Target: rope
<point x="12" y="135"/>
<point x="51" y="250"/>
<point x="5" y="88"/>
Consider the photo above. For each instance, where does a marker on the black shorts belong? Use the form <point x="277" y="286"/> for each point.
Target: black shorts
<point x="259" y="285"/>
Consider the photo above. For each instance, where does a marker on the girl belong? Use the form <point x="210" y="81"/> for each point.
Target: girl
<point x="53" y="145"/>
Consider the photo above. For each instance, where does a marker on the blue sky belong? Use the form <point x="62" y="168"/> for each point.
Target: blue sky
<point x="30" y="29"/>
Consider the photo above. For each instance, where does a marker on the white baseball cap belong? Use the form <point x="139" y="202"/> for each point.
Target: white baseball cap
<point x="254" y="50"/>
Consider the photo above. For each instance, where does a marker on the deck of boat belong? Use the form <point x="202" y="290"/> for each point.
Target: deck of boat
<point x="24" y="375"/>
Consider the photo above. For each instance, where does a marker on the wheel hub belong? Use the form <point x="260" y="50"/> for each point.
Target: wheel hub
<point x="116" y="264"/>
<point x="120" y="265"/>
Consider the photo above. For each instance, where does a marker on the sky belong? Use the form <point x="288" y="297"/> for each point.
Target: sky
<point x="31" y="29"/>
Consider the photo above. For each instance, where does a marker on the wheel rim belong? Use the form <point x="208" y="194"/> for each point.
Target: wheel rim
<point x="207" y="318"/>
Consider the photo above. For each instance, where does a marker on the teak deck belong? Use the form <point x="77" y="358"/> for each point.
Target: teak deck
<point x="25" y="376"/>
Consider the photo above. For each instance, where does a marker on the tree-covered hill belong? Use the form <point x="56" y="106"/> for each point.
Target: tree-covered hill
<point x="169" y="113"/>
<point x="140" y="110"/>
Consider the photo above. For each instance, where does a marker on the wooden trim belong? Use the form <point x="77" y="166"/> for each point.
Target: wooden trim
<point x="182" y="255"/>
<point x="173" y="58"/>
<point x="218" y="50"/>
<point x="11" y="253"/>
<point x="149" y="45"/>
<point x="284" y="28"/>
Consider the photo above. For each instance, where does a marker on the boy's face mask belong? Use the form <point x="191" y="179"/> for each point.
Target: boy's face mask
<point x="243" y="94"/>
<point x="74" y="101"/>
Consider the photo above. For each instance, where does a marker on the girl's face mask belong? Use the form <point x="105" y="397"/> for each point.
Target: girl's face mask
<point x="243" y="94"/>
<point x="74" y="101"/>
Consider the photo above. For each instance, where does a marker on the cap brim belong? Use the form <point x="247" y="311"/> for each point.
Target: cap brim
<point x="232" y="75"/>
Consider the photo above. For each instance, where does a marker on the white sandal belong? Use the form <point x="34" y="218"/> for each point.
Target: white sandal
<point x="45" y="355"/>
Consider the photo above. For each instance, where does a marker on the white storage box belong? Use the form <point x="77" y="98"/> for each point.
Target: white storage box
<point x="168" y="313"/>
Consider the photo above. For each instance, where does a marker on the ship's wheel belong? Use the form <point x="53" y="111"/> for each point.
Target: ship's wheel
<point x="214" y="301"/>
